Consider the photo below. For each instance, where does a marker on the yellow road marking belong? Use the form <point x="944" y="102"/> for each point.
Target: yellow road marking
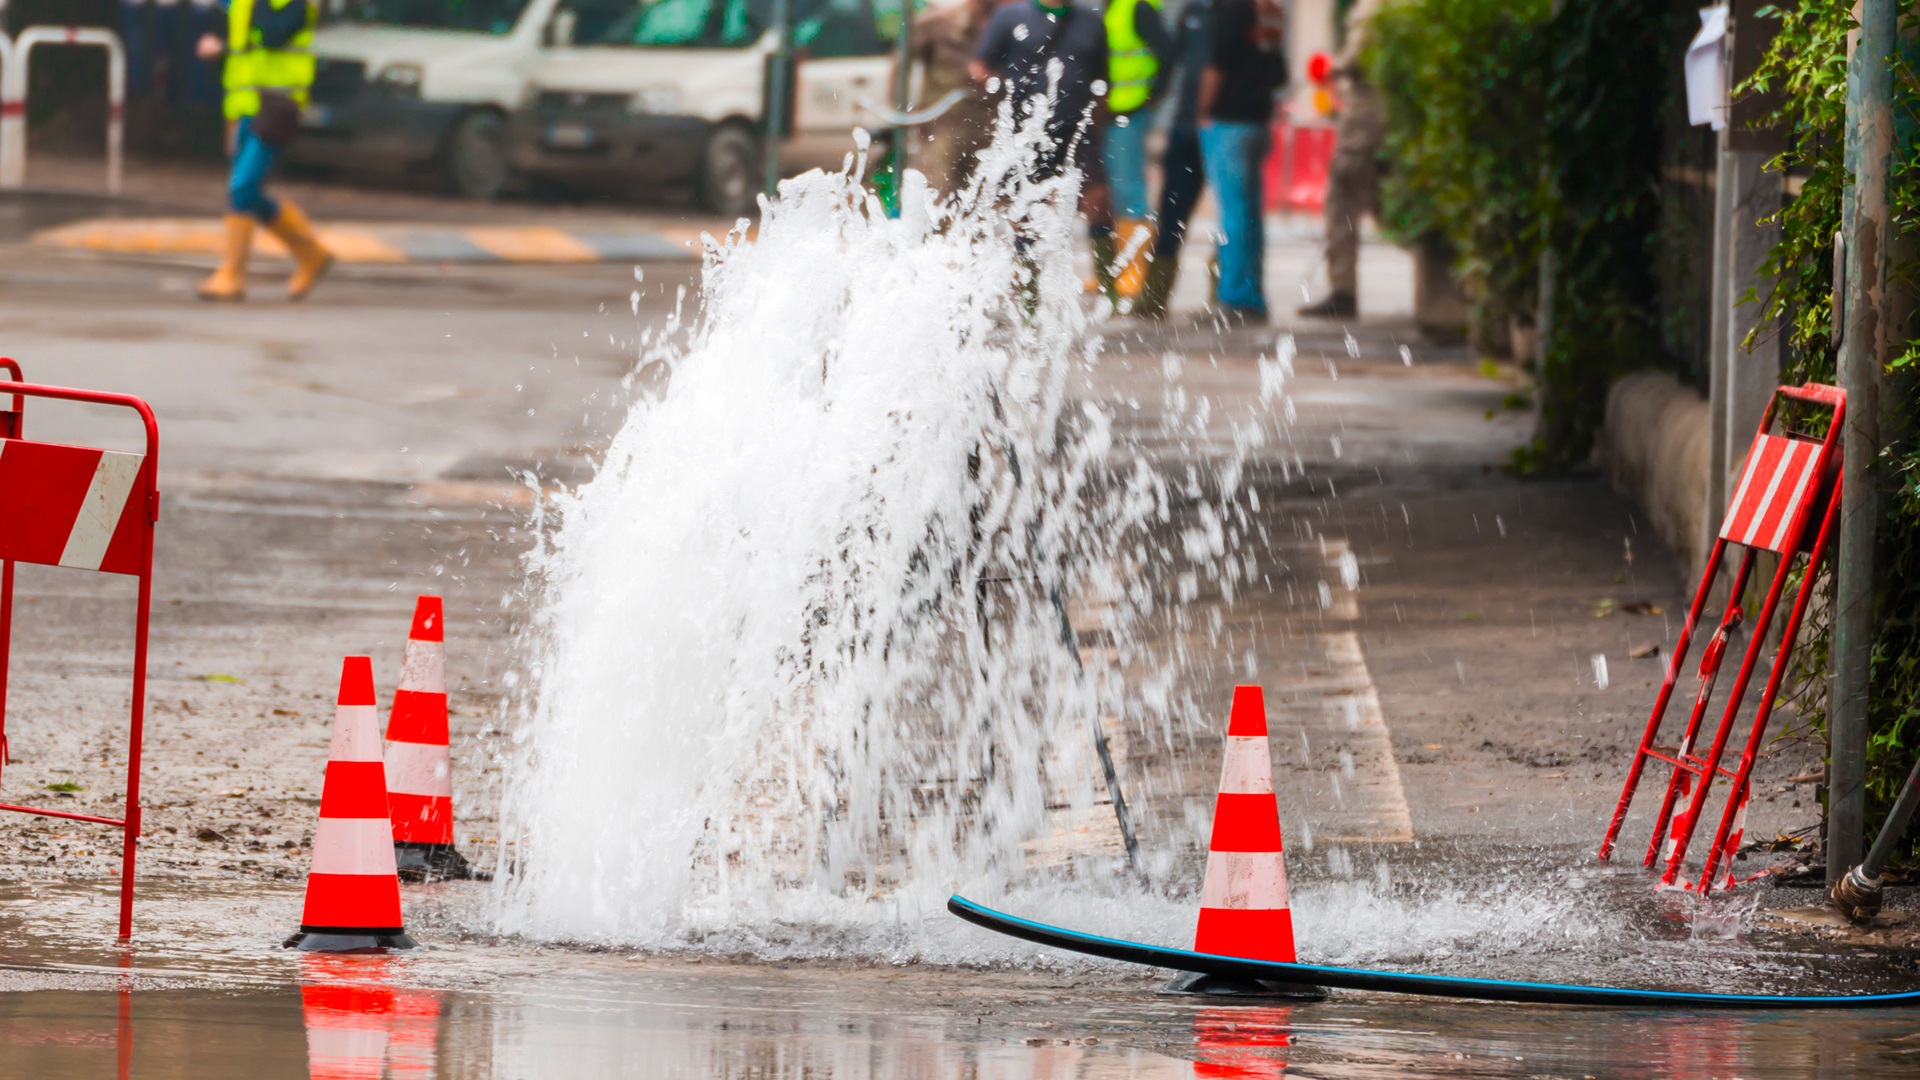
<point x="532" y="243"/>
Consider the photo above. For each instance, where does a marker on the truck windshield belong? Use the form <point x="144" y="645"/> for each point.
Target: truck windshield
<point x="474" y="16"/>
<point x="689" y="24"/>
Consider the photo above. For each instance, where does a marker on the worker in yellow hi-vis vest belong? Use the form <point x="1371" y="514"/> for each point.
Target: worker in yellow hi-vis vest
<point x="1139" y="52"/>
<point x="269" y="68"/>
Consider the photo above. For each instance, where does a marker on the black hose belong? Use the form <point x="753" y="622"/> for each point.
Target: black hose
<point x="1396" y="982"/>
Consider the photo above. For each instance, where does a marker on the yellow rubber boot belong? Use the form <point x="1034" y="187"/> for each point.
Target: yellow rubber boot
<point x="1133" y="238"/>
<point x="311" y="259"/>
<point x="229" y="282"/>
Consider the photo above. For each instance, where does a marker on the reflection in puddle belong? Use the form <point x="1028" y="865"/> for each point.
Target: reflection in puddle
<point x="359" y="1027"/>
<point x="1247" y="1041"/>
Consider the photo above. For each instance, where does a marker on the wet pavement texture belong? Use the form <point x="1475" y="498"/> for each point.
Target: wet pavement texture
<point x="323" y="463"/>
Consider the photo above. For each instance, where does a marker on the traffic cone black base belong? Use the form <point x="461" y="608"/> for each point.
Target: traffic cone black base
<point x="434" y="862"/>
<point x="348" y="940"/>
<point x="1235" y="986"/>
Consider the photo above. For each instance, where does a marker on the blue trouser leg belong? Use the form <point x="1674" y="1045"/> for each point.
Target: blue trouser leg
<point x="1183" y="177"/>
<point x="247" y="182"/>
<point x="1234" y="154"/>
<point x="1125" y="154"/>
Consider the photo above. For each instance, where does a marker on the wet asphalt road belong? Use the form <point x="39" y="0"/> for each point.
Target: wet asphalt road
<point x="322" y="463"/>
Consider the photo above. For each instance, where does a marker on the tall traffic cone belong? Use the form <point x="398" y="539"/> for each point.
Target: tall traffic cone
<point x="419" y="765"/>
<point x="353" y="892"/>
<point x="1243" y="901"/>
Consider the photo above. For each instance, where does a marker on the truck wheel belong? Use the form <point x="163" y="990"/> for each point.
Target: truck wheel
<point x="476" y="156"/>
<point x="729" y="182"/>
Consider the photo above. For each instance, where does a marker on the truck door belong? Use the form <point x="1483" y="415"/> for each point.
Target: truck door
<point x="842" y="59"/>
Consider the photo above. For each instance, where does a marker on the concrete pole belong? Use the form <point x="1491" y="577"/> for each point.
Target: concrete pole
<point x="1864" y="229"/>
<point x="1751" y="373"/>
<point x="1719" y="336"/>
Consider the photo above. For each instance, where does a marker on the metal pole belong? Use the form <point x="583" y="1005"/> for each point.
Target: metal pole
<point x="780" y="79"/>
<point x="903" y="91"/>
<point x="1864" y="228"/>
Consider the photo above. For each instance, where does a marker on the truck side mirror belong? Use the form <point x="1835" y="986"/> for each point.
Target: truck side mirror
<point x="560" y="29"/>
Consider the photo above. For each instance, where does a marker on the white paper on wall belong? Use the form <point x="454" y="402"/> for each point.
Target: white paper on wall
<point x="1706" y="68"/>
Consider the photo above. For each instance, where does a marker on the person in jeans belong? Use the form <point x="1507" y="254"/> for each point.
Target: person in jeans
<point x="1182" y="176"/>
<point x="1237" y="88"/>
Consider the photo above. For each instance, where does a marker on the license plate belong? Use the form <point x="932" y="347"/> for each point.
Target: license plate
<point x="316" y="116"/>
<point x="570" y="136"/>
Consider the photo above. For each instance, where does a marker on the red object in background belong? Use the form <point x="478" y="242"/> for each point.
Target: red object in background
<point x="86" y="509"/>
<point x="1320" y="67"/>
<point x="1297" y="166"/>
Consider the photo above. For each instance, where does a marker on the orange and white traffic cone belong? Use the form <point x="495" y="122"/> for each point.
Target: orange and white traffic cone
<point x="1244" y="908"/>
<point x="419" y="764"/>
<point x="353" y="891"/>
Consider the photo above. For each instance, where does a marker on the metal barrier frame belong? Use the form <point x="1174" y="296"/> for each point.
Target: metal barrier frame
<point x="145" y="488"/>
<point x="13" y="97"/>
<point x="1804" y="534"/>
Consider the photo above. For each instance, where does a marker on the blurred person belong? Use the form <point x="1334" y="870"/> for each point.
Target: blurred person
<point x="268" y="70"/>
<point x="1139" y="52"/>
<point x="1245" y="70"/>
<point x="1181" y="176"/>
<point x="943" y="43"/>
<point x="1021" y="39"/>
<point x="1353" y="177"/>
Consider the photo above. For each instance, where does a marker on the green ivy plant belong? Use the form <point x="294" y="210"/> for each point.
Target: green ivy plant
<point x="1807" y="63"/>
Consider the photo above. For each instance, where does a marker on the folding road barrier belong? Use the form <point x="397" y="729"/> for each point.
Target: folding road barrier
<point x="88" y="509"/>
<point x="1790" y="483"/>
<point x="14" y="62"/>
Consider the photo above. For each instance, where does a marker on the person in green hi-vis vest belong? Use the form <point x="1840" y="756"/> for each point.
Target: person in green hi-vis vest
<point x="268" y="70"/>
<point x="1139" y="52"/>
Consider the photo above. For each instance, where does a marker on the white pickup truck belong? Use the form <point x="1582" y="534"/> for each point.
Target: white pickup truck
<point x="414" y="86"/>
<point x="675" y="92"/>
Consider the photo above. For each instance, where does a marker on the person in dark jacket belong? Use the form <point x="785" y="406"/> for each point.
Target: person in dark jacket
<point x="1022" y="39"/>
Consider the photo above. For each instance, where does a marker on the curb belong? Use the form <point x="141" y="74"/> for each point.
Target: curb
<point x="387" y="244"/>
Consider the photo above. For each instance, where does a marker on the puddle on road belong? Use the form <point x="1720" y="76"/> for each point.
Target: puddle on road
<point x="735" y="1022"/>
<point x="207" y="992"/>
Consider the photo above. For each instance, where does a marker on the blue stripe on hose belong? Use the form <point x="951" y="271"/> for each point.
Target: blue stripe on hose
<point x="1179" y="959"/>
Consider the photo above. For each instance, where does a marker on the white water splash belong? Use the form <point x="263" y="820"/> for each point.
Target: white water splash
<point x="797" y="650"/>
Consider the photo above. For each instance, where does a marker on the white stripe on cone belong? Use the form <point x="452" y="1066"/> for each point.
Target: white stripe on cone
<point x="424" y="668"/>
<point x="348" y="1043"/>
<point x="419" y="769"/>
<point x="356" y="734"/>
<point x="1248" y="766"/>
<point x="354" y="846"/>
<point x="1245" y="879"/>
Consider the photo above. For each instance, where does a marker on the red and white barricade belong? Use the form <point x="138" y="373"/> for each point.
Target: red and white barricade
<point x="1787" y="503"/>
<point x="87" y="509"/>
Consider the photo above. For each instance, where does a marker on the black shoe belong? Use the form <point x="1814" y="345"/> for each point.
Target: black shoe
<point x="1340" y="305"/>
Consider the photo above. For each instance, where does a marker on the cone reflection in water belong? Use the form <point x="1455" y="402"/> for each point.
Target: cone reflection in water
<point x="360" y="1027"/>
<point x="1242" y="1041"/>
<point x="1243" y="903"/>
<point x="353" y="891"/>
<point x="419" y="763"/>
